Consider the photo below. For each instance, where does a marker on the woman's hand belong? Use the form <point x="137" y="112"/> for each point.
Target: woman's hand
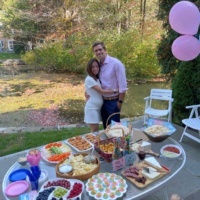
<point x="86" y="96"/>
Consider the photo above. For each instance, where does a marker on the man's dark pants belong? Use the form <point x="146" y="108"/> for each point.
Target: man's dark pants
<point x="109" y="107"/>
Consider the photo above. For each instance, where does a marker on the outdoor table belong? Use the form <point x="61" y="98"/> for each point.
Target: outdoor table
<point x="133" y="192"/>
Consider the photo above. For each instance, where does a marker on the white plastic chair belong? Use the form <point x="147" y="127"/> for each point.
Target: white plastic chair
<point x="164" y="95"/>
<point x="192" y="122"/>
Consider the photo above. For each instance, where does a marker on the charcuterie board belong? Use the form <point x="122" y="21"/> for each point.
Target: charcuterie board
<point x="135" y="174"/>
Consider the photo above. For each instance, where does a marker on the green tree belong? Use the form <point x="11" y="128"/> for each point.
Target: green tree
<point x="28" y="20"/>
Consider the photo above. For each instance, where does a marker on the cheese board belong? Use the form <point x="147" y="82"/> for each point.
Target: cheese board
<point x="139" y="176"/>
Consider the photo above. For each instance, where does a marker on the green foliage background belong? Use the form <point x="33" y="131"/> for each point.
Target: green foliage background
<point x="139" y="58"/>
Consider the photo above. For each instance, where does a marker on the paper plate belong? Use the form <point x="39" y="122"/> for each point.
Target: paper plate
<point x="171" y="153"/>
<point x="18" y="175"/>
<point x="16" y="188"/>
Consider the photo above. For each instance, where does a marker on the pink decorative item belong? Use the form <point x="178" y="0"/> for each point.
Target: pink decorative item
<point x="34" y="157"/>
<point x="16" y="188"/>
<point x="118" y="164"/>
<point x="184" y="18"/>
<point x="186" y="48"/>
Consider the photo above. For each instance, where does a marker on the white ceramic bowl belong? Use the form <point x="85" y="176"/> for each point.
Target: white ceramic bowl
<point x="171" y="151"/>
<point x="22" y="160"/>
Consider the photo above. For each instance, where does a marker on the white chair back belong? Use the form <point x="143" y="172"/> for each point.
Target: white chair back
<point x="164" y="95"/>
<point x="193" y="122"/>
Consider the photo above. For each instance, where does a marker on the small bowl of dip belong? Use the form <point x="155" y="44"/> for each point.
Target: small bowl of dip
<point x="22" y="160"/>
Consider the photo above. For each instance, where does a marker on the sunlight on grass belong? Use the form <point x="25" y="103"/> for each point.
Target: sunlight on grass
<point x="37" y="92"/>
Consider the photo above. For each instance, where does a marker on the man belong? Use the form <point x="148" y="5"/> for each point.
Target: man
<point x="112" y="75"/>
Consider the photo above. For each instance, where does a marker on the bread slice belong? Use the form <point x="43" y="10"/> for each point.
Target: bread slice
<point x="153" y="175"/>
<point x="153" y="162"/>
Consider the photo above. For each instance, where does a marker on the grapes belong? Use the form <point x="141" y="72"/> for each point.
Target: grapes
<point x="62" y="183"/>
<point x="76" y="190"/>
<point x="59" y="192"/>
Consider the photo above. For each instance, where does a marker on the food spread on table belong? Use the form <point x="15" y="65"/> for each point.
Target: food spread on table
<point x="55" y="152"/>
<point x="99" y="185"/>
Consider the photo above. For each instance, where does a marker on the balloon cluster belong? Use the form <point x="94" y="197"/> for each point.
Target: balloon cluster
<point x="184" y="18"/>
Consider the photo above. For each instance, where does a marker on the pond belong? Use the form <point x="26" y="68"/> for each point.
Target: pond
<point x="134" y="101"/>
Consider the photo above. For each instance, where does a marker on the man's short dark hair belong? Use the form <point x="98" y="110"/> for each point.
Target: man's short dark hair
<point x="98" y="43"/>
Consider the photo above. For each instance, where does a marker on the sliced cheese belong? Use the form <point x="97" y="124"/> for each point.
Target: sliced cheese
<point x="153" y="175"/>
<point x="145" y="145"/>
<point x="135" y="147"/>
<point x="153" y="162"/>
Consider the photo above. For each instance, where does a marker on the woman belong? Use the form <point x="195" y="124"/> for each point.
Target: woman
<point x="94" y="90"/>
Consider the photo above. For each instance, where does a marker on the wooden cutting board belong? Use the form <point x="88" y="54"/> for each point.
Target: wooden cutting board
<point x="148" y="181"/>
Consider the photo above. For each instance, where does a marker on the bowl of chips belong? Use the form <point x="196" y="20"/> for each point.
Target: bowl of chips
<point x="81" y="170"/>
<point x="158" y="131"/>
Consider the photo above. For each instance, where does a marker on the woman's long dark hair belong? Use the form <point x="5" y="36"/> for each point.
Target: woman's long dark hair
<point x="89" y="68"/>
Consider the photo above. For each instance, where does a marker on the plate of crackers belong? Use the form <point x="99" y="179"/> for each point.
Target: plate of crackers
<point x="80" y="144"/>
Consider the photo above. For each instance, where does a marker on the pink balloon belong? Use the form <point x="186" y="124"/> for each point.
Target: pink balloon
<point x="186" y="47"/>
<point x="184" y="18"/>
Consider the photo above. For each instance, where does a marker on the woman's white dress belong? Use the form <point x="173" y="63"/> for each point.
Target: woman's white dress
<point x="93" y="105"/>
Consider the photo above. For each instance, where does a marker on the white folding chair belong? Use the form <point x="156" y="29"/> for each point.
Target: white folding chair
<point x="159" y="95"/>
<point x="192" y="122"/>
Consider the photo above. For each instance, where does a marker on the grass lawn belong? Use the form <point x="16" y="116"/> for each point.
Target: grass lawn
<point x="39" y="95"/>
<point x="12" y="143"/>
<point x="5" y="56"/>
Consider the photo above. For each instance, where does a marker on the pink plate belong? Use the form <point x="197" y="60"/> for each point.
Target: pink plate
<point x="16" y="188"/>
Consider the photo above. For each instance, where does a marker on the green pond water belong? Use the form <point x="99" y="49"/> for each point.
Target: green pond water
<point x="134" y="103"/>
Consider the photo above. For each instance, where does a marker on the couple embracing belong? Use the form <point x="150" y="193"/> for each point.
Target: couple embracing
<point x="105" y="88"/>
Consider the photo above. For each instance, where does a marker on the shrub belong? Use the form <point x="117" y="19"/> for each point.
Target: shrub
<point x="72" y="55"/>
<point x="30" y="58"/>
<point x="186" y="89"/>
